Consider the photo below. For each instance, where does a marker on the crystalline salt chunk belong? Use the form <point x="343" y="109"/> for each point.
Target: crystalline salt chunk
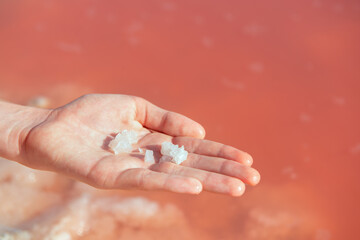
<point x="166" y="148"/>
<point x="173" y="152"/>
<point x="180" y="157"/>
<point x="149" y="157"/>
<point x="123" y="141"/>
<point x="130" y="135"/>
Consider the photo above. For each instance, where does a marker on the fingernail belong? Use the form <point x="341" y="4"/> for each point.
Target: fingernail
<point x="255" y="179"/>
<point x="238" y="190"/>
<point x="249" y="161"/>
<point x="201" y="132"/>
<point x="198" y="189"/>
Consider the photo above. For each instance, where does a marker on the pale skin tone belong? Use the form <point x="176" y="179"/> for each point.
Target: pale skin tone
<point x="73" y="140"/>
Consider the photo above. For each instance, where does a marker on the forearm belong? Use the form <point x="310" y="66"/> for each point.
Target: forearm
<point x="16" y="121"/>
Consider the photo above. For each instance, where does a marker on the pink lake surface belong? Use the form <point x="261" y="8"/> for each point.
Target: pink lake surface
<point x="278" y="79"/>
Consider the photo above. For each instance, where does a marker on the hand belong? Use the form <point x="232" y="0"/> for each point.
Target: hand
<point x="73" y="140"/>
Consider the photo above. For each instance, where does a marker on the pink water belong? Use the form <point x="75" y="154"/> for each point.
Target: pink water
<point x="278" y="79"/>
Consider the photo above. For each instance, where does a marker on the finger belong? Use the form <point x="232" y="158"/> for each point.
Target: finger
<point x="213" y="149"/>
<point x="213" y="182"/>
<point x="145" y="179"/>
<point x="171" y="123"/>
<point x="223" y="166"/>
<point x="126" y="172"/>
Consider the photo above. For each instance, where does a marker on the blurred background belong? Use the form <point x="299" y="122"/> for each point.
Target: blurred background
<point x="278" y="79"/>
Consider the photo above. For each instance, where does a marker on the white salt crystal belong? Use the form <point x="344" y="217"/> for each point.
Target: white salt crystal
<point x="177" y="154"/>
<point x="140" y="150"/>
<point x="166" y="148"/>
<point x="130" y="135"/>
<point x="123" y="141"/>
<point x="149" y="157"/>
<point x="180" y="157"/>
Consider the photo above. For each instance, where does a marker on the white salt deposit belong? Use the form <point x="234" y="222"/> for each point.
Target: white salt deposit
<point x="72" y="220"/>
<point x="135" y="212"/>
<point x="123" y="141"/>
<point x="140" y="150"/>
<point x="149" y="157"/>
<point x="15" y="235"/>
<point x="177" y="154"/>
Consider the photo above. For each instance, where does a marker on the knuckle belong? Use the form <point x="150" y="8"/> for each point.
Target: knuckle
<point x="222" y="150"/>
<point x="194" y="160"/>
<point x="225" y="166"/>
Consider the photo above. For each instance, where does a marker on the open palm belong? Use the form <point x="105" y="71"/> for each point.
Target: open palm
<point x="73" y="140"/>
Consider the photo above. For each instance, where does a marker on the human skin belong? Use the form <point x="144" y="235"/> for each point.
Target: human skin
<point x="73" y="140"/>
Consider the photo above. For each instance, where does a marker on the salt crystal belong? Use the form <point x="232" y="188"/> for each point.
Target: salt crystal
<point x="149" y="157"/>
<point x="123" y="141"/>
<point x="177" y="154"/>
<point x="166" y="148"/>
<point x="140" y="150"/>
<point x="130" y="135"/>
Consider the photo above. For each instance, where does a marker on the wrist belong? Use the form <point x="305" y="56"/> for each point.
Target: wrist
<point x="16" y="122"/>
